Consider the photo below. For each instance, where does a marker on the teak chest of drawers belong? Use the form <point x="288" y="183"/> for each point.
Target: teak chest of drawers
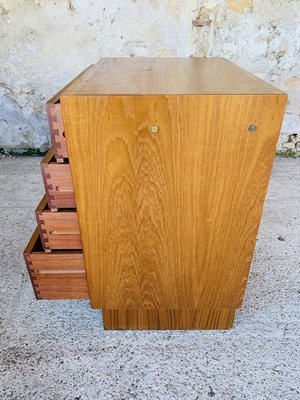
<point x="154" y="190"/>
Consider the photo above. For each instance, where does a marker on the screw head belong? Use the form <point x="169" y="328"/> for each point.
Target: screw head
<point x="154" y="128"/>
<point x="252" y="128"/>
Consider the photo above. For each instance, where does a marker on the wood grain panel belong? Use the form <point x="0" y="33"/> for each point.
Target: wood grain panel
<point x="168" y="319"/>
<point x="167" y="75"/>
<point x="169" y="220"/>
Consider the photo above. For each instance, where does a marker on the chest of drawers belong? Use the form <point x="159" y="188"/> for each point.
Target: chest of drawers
<point x="168" y="165"/>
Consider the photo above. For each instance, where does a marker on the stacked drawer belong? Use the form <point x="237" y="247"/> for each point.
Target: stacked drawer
<point x="54" y="253"/>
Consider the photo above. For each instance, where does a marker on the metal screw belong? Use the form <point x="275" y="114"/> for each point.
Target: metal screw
<point x="252" y="128"/>
<point x="154" y="128"/>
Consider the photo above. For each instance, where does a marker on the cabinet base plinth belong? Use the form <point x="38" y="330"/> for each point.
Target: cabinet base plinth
<point x="221" y="318"/>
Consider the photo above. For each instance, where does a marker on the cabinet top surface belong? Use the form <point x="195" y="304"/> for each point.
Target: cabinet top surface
<point x="174" y="76"/>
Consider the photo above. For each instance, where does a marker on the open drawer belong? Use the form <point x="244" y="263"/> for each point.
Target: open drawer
<point x="57" y="130"/>
<point x="56" y="123"/>
<point x="58" y="275"/>
<point x="58" y="230"/>
<point x="58" y="182"/>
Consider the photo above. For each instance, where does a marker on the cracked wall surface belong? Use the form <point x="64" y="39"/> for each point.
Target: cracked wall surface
<point x="45" y="43"/>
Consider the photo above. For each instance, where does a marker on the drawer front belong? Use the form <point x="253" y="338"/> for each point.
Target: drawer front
<point x="55" y="276"/>
<point x="58" y="183"/>
<point x="65" y="286"/>
<point x="57" y="131"/>
<point x="58" y="230"/>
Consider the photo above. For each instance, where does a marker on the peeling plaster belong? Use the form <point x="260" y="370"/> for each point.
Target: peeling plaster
<point x="293" y="83"/>
<point x="239" y="5"/>
<point x="3" y="10"/>
<point x="202" y="19"/>
<point x="45" y="44"/>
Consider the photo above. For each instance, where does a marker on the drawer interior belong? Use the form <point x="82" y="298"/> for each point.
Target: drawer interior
<point x="49" y="158"/>
<point x="35" y="247"/>
<point x="43" y="207"/>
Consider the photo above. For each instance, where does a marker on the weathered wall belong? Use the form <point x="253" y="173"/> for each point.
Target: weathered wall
<point x="46" y="43"/>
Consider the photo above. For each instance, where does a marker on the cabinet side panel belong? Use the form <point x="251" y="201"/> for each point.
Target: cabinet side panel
<point x="169" y="219"/>
<point x="223" y="174"/>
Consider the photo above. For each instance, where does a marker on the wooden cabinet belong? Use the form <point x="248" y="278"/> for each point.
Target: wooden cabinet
<point x="169" y="160"/>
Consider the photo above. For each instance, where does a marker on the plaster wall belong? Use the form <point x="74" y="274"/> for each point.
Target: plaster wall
<point x="45" y="43"/>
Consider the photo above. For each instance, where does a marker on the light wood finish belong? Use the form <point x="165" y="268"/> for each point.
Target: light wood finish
<point x="154" y="76"/>
<point x="56" y="276"/>
<point x="169" y="220"/>
<point x="58" y="230"/>
<point x="56" y="124"/>
<point x="168" y="319"/>
<point x="58" y="183"/>
<point x="57" y="131"/>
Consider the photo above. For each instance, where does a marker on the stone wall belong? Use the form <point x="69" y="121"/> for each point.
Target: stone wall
<point x="45" y="43"/>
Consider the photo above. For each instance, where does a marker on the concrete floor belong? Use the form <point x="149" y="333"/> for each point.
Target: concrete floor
<point x="59" y="350"/>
